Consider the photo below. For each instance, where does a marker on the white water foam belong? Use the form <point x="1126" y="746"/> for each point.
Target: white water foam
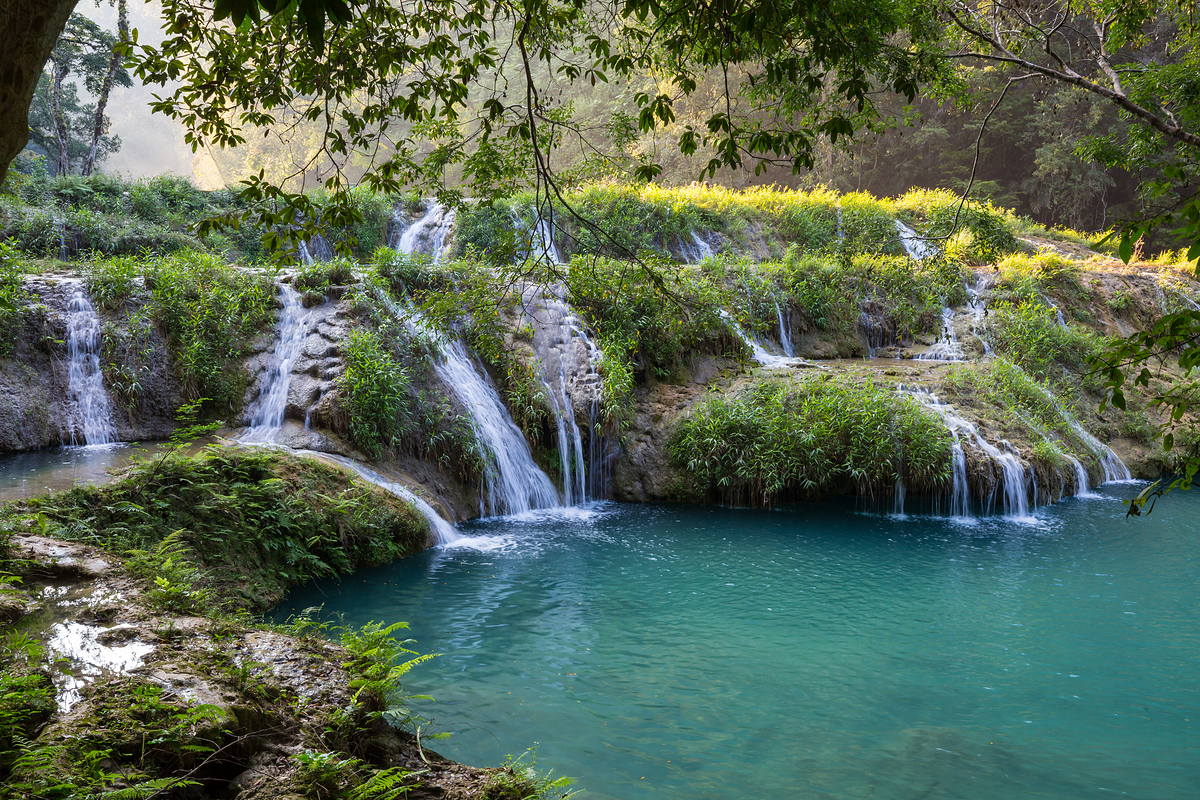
<point x="91" y="412"/>
<point x="265" y="414"/>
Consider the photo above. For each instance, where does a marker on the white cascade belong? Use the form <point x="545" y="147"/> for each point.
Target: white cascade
<point x="91" y="415"/>
<point x="513" y="482"/>
<point x="946" y="348"/>
<point x="916" y="246"/>
<point x="757" y="352"/>
<point x="841" y="233"/>
<point x="427" y="236"/>
<point x="316" y="249"/>
<point x="443" y="531"/>
<point x="1082" y="489"/>
<point x="1062" y="323"/>
<point x="978" y="308"/>
<point x="698" y="250"/>
<point x="785" y="333"/>
<point x="264" y="417"/>
<point x="545" y="232"/>
<point x="1015" y="478"/>
<point x="1110" y="463"/>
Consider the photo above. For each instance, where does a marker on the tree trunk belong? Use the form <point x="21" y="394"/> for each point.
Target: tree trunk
<point x="63" y="164"/>
<point x="114" y="63"/>
<point x="28" y="30"/>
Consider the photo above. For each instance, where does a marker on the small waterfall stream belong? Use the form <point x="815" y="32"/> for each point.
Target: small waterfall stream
<point x="785" y="334"/>
<point x="1015" y="477"/>
<point x="443" y="531"/>
<point x="92" y="415"/>
<point x="916" y="247"/>
<point x="513" y="483"/>
<point x="265" y="414"/>
<point x="427" y="236"/>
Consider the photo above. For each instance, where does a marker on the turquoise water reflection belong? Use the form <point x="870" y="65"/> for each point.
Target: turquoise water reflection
<point x="677" y="652"/>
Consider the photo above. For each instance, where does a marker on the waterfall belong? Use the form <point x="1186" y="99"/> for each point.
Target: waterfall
<point x="513" y="482"/>
<point x="1062" y="323"/>
<point x="545" y="232"/>
<point x="1113" y="467"/>
<point x="265" y="414"/>
<point x="316" y="249"/>
<point x="785" y="334"/>
<point x="1015" y="478"/>
<point x="426" y="236"/>
<point x="841" y="233"/>
<point x="946" y="348"/>
<point x="85" y="380"/>
<point x="978" y="308"/>
<point x="757" y="352"/>
<point x="873" y="331"/>
<point x="443" y="531"/>
<point x="916" y="247"/>
<point x="698" y="250"/>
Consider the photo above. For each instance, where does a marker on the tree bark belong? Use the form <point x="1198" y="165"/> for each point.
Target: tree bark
<point x="63" y="163"/>
<point x="114" y="63"/>
<point x="28" y="30"/>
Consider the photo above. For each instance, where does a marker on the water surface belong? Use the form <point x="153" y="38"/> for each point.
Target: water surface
<point x="683" y="653"/>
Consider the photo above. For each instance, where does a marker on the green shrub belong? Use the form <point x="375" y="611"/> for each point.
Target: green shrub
<point x="1028" y="333"/>
<point x="320" y="276"/>
<point x="376" y="389"/>
<point x="783" y="438"/>
<point x="984" y="232"/>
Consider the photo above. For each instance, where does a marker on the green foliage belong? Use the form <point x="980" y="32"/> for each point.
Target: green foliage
<point x="319" y="276"/>
<point x="486" y="229"/>
<point x="175" y="581"/>
<point x="13" y="297"/>
<point x="377" y="663"/>
<point x="254" y="521"/>
<point x="26" y="694"/>
<point x="520" y="779"/>
<point x="376" y="389"/>
<point x="1028" y="333"/>
<point x="979" y="233"/>
<point x="1000" y="390"/>
<point x="659" y="326"/>
<point x="136" y="738"/>
<point x="781" y="438"/>
<point x="1027" y="276"/>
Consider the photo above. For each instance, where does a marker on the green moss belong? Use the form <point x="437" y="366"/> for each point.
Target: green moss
<point x="255" y="521"/>
<point x="785" y="438"/>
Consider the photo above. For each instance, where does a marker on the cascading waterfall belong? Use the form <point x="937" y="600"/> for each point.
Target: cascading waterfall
<point x="1015" y="477"/>
<point x="785" y="334"/>
<point x="569" y="362"/>
<point x="1062" y="323"/>
<point x="513" y="483"/>
<point x="92" y="415"/>
<point x="978" y="308"/>
<point x="695" y="251"/>
<point x="916" y="247"/>
<point x="443" y="531"/>
<point x="545" y="232"/>
<point x="757" y="352"/>
<point x="946" y="348"/>
<point x="316" y="249"/>
<point x="265" y="414"/>
<point x="841" y="232"/>
<point x="427" y="236"/>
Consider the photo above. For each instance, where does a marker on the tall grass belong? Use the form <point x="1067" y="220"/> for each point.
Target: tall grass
<point x="782" y="438"/>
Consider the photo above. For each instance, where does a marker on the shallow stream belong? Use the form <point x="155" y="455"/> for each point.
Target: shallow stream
<point x="688" y="653"/>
